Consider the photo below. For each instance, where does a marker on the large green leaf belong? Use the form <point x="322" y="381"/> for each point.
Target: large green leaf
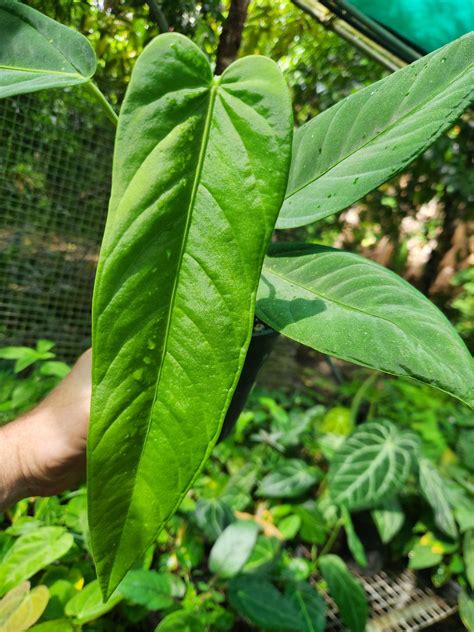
<point x="32" y="552"/>
<point x="88" y="604"/>
<point x="350" y="149"/>
<point x="432" y="488"/>
<point x="154" y="591"/>
<point x="352" y="308"/>
<point x="310" y="605"/>
<point x="466" y="609"/>
<point x="371" y="465"/>
<point x="37" y="52"/>
<point x="346" y="592"/>
<point x="199" y="173"/>
<point x="259" y="601"/>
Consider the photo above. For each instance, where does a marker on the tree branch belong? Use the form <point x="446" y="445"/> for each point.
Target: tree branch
<point x="231" y="37"/>
<point x="158" y="15"/>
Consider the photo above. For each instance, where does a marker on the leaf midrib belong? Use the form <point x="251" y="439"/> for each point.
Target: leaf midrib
<point x="376" y="136"/>
<point x="42" y="71"/>
<point x="328" y="299"/>
<point x="25" y="20"/>
<point x="200" y="165"/>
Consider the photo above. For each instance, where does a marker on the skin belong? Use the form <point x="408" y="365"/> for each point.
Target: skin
<point x="44" y="452"/>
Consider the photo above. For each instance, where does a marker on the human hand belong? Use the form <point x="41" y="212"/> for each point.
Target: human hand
<point x="43" y="452"/>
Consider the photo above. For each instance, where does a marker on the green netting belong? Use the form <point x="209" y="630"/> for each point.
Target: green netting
<point x="428" y="24"/>
<point x="55" y="162"/>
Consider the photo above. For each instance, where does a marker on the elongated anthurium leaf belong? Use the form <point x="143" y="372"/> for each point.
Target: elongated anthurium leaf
<point x="349" y="307"/>
<point x="37" y="52"/>
<point x="346" y="591"/>
<point x="433" y="489"/>
<point x="358" y="144"/>
<point x="372" y="464"/>
<point x="199" y="173"/>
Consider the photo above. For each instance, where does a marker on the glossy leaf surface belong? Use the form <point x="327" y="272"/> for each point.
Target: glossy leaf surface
<point x="38" y="53"/>
<point x="199" y="174"/>
<point x="372" y="464"/>
<point x="361" y="142"/>
<point x="354" y="309"/>
<point x="88" y="604"/>
<point x="233" y="548"/>
<point x="346" y="592"/>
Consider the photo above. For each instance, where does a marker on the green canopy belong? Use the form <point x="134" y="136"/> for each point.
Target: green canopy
<point x="426" y="24"/>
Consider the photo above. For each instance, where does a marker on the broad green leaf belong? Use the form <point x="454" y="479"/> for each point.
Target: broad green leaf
<point x="364" y="140"/>
<point x="27" y="612"/>
<point x="310" y="605"/>
<point x="32" y="552"/>
<point x="89" y="605"/>
<point x="353" y="542"/>
<point x="346" y="592"/>
<point x="258" y="601"/>
<point x="263" y="554"/>
<point x="371" y="465"/>
<point x="468" y="550"/>
<point x="425" y="553"/>
<point x="289" y="479"/>
<point x="432" y="488"/>
<point x="289" y="526"/>
<point x="153" y="590"/>
<point x="233" y="548"/>
<point x="182" y="621"/>
<point x="199" y="173"/>
<point x="314" y="527"/>
<point x="213" y="516"/>
<point x="354" y="309"/>
<point x="38" y="53"/>
<point x="466" y="609"/>
<point x="389" y="518"/>
<point x="10" y="602"/>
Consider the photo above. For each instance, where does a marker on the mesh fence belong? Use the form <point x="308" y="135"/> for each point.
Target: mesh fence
<point x="55" y="165"/>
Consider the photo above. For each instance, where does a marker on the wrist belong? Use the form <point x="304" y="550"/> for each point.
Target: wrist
<point x="14" y="479"/>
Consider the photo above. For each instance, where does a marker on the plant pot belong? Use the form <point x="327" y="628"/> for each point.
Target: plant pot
<point x="262" y="342"/>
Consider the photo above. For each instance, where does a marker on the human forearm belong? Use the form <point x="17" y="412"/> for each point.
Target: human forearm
<point x="43" y="452"/>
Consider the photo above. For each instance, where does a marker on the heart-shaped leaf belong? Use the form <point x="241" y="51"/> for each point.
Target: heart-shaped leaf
<point x="89" y="605"/>
<point x="38" y="53"/>
<point x="359" y="143"/>
<point x="346" y="592"/>
<point x="372" y="464"/>
<point x="346" y="306"/>
<point x="32" y="552"/>
<point x="199" y="174"/>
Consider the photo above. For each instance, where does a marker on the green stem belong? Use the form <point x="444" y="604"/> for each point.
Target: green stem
<point x="105" y="105"/>
<point x="332" y="538"/>
<point x="359" y="396"/>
